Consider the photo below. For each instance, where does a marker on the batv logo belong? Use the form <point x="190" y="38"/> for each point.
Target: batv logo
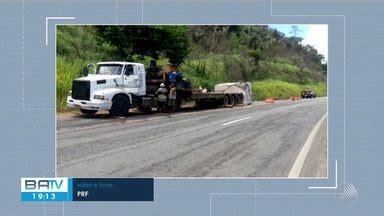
<point x="44" y="185"/>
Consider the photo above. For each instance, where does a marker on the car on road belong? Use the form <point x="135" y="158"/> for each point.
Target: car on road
<point x="308" y="94"/>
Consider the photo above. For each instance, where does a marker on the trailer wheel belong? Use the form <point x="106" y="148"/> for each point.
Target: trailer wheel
<point x="232" y="100"/>
<point x="225" y="100"/>
<point x="88" y="112"/>
<point x="201" y="104"/>
<point x="120" y="106"/>
<point x="239" y="99"/>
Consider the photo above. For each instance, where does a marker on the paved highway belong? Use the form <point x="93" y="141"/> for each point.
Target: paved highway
<point x="288" y="138"/>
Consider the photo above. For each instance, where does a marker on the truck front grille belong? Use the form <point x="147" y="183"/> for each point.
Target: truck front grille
<point x="81" y="90"/>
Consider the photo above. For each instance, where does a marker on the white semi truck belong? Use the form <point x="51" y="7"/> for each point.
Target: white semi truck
<point x="119" y="86"/>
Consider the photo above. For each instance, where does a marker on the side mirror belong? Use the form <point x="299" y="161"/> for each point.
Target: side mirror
<point x="93" y="66"/>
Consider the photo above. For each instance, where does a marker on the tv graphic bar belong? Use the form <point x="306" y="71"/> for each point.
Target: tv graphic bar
<point x="86" y="189"/>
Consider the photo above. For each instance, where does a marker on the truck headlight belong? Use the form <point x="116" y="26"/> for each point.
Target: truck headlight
<point x="98" y="97"/>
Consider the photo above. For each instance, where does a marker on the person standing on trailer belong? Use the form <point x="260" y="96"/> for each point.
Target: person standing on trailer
<point x="161" y="95"/>
<point x="173" y="75"/>
<point x="153" y="70"/>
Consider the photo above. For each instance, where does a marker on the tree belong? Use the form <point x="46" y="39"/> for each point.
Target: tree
<point x="80" y="42"/>
<point x="295" y="30"/>
<point x="171" y="41"/>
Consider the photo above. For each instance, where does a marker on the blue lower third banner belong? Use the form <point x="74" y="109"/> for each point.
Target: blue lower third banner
<point x="112" y="189"/>
<point x="87" y="189"/>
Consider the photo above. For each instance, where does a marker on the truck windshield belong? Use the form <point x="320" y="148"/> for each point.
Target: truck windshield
<point x="111" y="69"/>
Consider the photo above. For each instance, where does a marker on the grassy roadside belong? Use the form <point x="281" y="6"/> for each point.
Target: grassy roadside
<point x="66" y="72"/>
<point x="283" y="90"/>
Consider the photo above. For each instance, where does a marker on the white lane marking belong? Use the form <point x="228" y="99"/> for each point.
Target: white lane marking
<point x="299" y="162"/>
<point x="231" y="122"/>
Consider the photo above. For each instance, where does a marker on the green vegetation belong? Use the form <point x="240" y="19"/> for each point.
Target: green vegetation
<point x="283" y="90"/>
<point x="81" y="42"/>
<point x="278" y="66"/>
<point x="142" y="41"/>
<point x="65" y="73"/>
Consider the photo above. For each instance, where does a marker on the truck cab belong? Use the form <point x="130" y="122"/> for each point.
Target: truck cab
<point x="113" y="86"/>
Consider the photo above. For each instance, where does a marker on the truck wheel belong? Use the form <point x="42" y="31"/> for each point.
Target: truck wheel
<point x="88" y="112"/>
<point x="120" y="106"/>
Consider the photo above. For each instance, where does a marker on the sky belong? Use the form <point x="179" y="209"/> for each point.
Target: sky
<point x="315" y="35"/>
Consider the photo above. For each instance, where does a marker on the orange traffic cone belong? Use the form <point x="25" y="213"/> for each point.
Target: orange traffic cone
<point x="270" y="100"/>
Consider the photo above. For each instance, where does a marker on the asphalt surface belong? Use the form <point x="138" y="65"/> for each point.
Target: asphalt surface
<point x="260" y="140"/>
